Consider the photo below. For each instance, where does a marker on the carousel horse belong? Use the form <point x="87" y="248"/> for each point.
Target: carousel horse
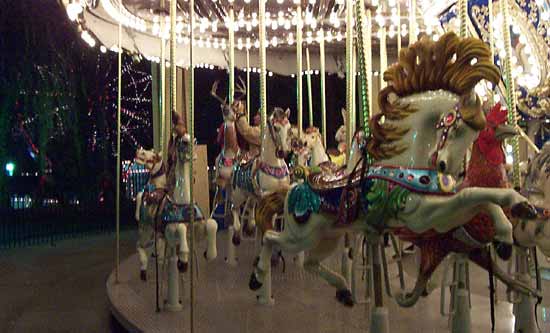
<point x="147" y="203"/>
<point x="266" y="173"/>
<point x="429" y="117"/>
<point x="164" y="206"/>
<point x="298" y="158"/>
<point x="486" y="169"/>
<point x="338" y="156"/>
<point x="536" y="186"/>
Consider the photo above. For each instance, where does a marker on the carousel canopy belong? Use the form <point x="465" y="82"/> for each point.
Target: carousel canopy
<point x="145" y="22"/>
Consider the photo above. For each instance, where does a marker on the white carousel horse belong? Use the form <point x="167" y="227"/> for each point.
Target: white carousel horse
<point x="340" y="135"/>
<point x="150" y="206"/>
<point x="532" y="235"/>
<point x="177" y="210"/>
<point x="536" y="188"/>
<point x="147" y="210"/>
<point x="314" y="142"/>
<point x="430" y="116"/>
<point x="262" y="175"/>
<point x="166" y="206"/>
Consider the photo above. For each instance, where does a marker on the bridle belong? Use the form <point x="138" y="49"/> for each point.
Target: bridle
<point x="447" y="124"/>
<point x="184" y="151"/>
<point x="278" y="145"/>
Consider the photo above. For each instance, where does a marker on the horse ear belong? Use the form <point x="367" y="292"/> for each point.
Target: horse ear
<point x="176" y="117"/>
<point x="392" y="97"/>
<point x="287" y="112"/>
<point x="344" y="115"/>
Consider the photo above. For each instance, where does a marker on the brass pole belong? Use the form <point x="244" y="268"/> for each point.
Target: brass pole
<point x="323" y="88"/>
<point x="191" y="131"/>
<point x="309" y="92"/>
<point x="263" y="67"/>
<point x="119" y="100"/>
<point x="299" y="68"/>
<point x="349" y="73"/>
<point x="231" y="94"/>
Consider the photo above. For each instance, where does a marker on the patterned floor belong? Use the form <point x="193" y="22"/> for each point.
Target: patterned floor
<point x="303" y="302"/>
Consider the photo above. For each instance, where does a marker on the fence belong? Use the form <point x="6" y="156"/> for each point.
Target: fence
<point x="47" y="225"/>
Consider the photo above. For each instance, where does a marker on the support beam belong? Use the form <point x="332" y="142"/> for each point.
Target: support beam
<point x="299" y="109"/>
<point x="510" y="91"/>
<point x="349" y="73"/>
<point x="413" y="33"/>
<point x="119" y="99"/>
<point x="248" y="84"/>
<point x="263" y="66"/>
<point x="191" y="130"/>
<point x="323" y="88"/>
<point x="309" y="91"/>
<point x="231" y="93"/>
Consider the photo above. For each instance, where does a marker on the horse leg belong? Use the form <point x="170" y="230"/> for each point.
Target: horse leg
<point x="482" y="257"/>
<point x="138" y="204"/>
<point x="211" y="230"/>
<point x="443" y="214"/>
<point x="145" y="235"/>
<point x="313" y="264"/>
<point x="183" y="249"/>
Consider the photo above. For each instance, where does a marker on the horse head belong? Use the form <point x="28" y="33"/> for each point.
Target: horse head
<point x="149" y="158"/>
<point x="536" y="188"/>
<point x="430" y="114"/>
<point x="279" y="130"/>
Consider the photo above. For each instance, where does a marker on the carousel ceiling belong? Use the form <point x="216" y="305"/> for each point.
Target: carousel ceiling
<point x="145" y="22"/>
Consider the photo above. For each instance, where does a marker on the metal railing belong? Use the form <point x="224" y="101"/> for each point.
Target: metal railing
<point x="50" y="224"/>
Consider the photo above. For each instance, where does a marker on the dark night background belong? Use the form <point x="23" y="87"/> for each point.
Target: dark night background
<point x="58" y="103"/>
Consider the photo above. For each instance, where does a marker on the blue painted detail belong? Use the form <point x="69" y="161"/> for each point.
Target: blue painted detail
<point x="415" y="180"/>
<point x="303" y="200"/>
<point x="219" y="212"/>
<point x="173" y="213"/>
<point x="242" y="177"/>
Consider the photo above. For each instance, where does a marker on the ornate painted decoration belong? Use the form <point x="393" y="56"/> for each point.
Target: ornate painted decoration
<point x="531" y="47"/>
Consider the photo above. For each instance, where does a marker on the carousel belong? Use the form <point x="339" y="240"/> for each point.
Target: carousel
<point x="440" y="162"/>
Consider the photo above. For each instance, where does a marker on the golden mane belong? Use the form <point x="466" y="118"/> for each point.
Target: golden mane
<point x="452" y="63"/>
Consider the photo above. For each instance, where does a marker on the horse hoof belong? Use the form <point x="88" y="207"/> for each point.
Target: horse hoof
<point x="503" y="250"/>
<point x="236" y="240"/>
<point x="143" y="275"/>
<point x="254" y="284"/>
<point x="425" y="293"/>
<point x="274" y="261"/>
<point x="524" y="210"/>
<point x="249" y="232"/>
<point x="344" y="296"/>
<point x="182" y="266"/>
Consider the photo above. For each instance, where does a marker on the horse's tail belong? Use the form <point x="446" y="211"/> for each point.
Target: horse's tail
<point x="269" y="206"/>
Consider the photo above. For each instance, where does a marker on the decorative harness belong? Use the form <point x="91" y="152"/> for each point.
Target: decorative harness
<point x="383" y="189"/>
<point x="247" y="176"/>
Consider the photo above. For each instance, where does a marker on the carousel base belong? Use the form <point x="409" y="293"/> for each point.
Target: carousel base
<point x="303" y="302"/>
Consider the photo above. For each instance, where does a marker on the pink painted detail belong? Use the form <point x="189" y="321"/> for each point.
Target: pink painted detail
<point x="277" y="172"/>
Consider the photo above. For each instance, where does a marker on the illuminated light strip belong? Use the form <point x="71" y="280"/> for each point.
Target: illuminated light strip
<point x="121" y="15"/>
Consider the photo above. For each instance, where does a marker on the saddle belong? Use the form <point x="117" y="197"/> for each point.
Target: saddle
<point x="332" y="178"/>
<point x="243" y="175"/>
<point x="175" y="213"/>
<point x="335" y="193"/>
<point x="153" y="195"/>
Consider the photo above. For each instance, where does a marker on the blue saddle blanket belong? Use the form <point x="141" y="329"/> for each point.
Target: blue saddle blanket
<point x="173" y="213"/>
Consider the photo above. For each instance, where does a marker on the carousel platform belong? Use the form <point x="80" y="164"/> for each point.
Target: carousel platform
<point x="303" y="302"/>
